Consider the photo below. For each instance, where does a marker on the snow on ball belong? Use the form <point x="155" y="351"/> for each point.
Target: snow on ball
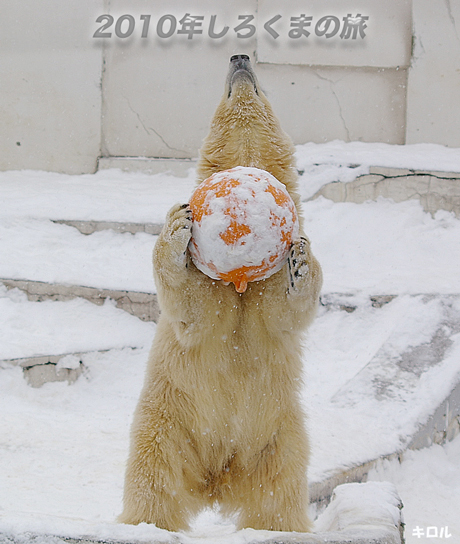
<point x="244" y="222"/>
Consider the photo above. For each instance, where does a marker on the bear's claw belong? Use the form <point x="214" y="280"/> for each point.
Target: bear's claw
<point x="178" y="228"/>
<point x="298" y="265"/>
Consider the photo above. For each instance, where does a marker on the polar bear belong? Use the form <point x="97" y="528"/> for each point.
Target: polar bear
<point x="219" y="418"/>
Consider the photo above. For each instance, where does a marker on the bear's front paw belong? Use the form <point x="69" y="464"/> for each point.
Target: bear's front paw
<point x="178" y="229"/>
<point x="298" y="265"/>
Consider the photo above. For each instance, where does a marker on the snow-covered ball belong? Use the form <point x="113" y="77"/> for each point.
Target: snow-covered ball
<point x="244" y="222"/>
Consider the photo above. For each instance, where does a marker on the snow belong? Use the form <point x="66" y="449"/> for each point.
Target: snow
<point x="339" y="161"/>
<point x="41" y="250"/>
<point x="355" y="504"/>
<point x="426" y="157"/>
<point x="29" y="329"/>
<point x="108" y="195"/>
<point x="63" y="448"/>
<point x="408" y="240"/>
<point x="380" y="421"/>
<point x="113" y="195"/>
<point x="384" y="248"/>
<point x="428" y="482"/>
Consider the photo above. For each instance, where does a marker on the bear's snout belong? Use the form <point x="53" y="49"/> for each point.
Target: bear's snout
<point x="240" y="62"/>
<point x="241" y="69"/>
<point x="239" y="58"/>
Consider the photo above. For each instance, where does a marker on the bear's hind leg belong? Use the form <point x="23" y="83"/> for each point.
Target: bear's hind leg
<point x="272" y="494"/>
<point x="155" y="492"/>
<point x="278" y="506"/>
<point x="157" y="481"/>
<point x="167" y="510"/>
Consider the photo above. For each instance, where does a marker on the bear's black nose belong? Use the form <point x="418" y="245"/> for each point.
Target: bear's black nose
<point x="236" y="58"/>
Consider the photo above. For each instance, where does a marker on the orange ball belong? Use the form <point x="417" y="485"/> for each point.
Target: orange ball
<point x="244" y="222"/>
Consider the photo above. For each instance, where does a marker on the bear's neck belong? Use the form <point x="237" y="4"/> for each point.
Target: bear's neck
<point x="248" y="137"/>
<point x="244" y="133"/>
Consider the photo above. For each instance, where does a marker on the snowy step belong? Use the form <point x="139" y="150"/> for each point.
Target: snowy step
<point x="44" y="251"/>
<point x="408" y="242"/>
<point x="410" y="385"/>
<point x="66" y="367"/>
<point x="51" y="328"/>
<point x="142" y="305"/>
<point x="106" y="196"/>
<point x="358" y="514"/>
<point x="88" y="227"/>
<point x="395" y="372"/>
<point x="441" y="427"/>
<point x="435" y="190"/>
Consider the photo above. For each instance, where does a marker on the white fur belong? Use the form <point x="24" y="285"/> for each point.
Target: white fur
<point x="219" y="416"/>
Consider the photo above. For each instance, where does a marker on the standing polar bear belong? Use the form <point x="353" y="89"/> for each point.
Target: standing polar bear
<point x="219" y="417"/>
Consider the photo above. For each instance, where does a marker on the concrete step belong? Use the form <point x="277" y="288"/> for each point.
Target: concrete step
<point x="67" y="367"/>
<point x="435" y="190"/>
<point x="178" y="167"/>
<point x="52" y="331"/>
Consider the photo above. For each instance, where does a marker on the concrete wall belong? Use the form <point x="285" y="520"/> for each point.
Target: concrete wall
<point x="159" y="94"/>
<point x="67" y="97"/>
<point x="50" y="86"/>
<point x="433" y="94"/>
